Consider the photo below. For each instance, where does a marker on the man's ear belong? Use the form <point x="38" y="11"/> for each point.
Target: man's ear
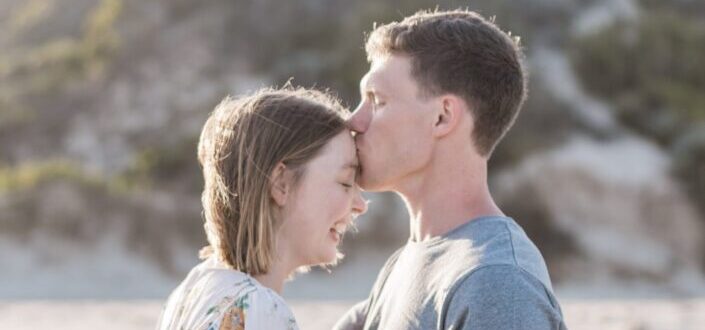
<point x="452" y="109"/>
<point x="280" y="182"/>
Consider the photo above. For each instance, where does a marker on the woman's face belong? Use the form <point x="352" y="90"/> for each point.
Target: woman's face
<point x="322" y="205"/>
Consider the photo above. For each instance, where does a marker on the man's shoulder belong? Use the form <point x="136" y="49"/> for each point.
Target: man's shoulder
<point x="489" y="245"/>
<point x="504" y="294"/>
<point x="495" y="277"/>
<point x="504" y="243"/>
<point x="489" y="240"/>
<point x="495" y="255"/>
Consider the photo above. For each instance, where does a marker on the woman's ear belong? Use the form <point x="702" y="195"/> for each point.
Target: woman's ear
<point x="280" y="184"/>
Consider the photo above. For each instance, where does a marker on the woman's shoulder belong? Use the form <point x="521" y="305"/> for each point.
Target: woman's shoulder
<point x="250" y="305"/>
<point x="255" y="308"/>
<point x="239" y="301"/>
<point x="213" y="297"/>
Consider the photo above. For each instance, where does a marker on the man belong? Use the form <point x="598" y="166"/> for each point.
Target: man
<point x="442" y="90"/>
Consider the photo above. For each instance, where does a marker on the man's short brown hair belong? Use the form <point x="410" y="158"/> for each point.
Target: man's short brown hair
<point x="461" y="53"/>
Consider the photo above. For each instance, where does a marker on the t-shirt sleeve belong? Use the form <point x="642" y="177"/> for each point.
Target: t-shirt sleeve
<point x="501" y="297"/>
<point x="353" y="319"/>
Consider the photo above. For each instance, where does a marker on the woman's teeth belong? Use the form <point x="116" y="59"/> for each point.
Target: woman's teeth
<point x="340" y="228"/>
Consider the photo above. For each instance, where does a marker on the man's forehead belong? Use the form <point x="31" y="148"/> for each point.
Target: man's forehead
<point x="373" y="79"/>
<point x="382" y="69"/>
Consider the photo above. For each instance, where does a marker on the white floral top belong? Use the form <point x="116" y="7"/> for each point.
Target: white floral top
<point x="215" y="297"/>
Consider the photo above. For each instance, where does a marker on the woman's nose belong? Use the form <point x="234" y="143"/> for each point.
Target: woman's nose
<point x="359" y="205"/>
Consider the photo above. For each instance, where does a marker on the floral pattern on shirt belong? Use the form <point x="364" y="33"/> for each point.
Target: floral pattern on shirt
<point x="213" y="298"/>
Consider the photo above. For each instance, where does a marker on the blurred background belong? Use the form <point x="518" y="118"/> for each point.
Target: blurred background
<point x="102" y="101"/>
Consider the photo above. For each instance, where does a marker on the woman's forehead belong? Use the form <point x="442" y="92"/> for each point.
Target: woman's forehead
<point x="340" y="152"/>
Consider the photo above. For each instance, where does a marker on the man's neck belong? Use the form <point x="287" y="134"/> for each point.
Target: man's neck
<point x="448" y="197"/>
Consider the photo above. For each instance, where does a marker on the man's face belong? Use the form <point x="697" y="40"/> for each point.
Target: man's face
<point x="393" y="125"/>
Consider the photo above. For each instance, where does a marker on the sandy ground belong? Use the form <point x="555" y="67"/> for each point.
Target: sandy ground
<point x="644" y="314"/>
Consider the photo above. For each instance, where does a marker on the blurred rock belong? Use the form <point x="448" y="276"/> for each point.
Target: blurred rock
<point x="618" y="206"/>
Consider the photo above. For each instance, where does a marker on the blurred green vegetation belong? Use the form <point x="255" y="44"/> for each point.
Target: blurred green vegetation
<point x="161" y="167"/>
<point x="52" y="66"/>
<point x="33" y="174"/>
<point x="45" y="67"/>
<point x="172" y="167"/>
<point x="29" y="15"/>
<point x="652" y="72"/>
<point x="30" y="204"/>
<point x="328" y="50"/>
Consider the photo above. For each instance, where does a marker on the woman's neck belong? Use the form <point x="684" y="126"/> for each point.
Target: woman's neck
<point x="278" y="273"/>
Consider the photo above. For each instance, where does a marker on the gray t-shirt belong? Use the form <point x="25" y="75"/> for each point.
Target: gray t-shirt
<point x="485" y="274"/>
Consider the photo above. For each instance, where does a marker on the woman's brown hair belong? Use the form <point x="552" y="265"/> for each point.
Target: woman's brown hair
<point x="242" y="142"/>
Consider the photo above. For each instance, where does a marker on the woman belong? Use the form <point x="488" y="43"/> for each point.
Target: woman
<point x="279" y="169"/>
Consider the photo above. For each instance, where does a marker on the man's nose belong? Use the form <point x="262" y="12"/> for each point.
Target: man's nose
<point x="360" y="119"/>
